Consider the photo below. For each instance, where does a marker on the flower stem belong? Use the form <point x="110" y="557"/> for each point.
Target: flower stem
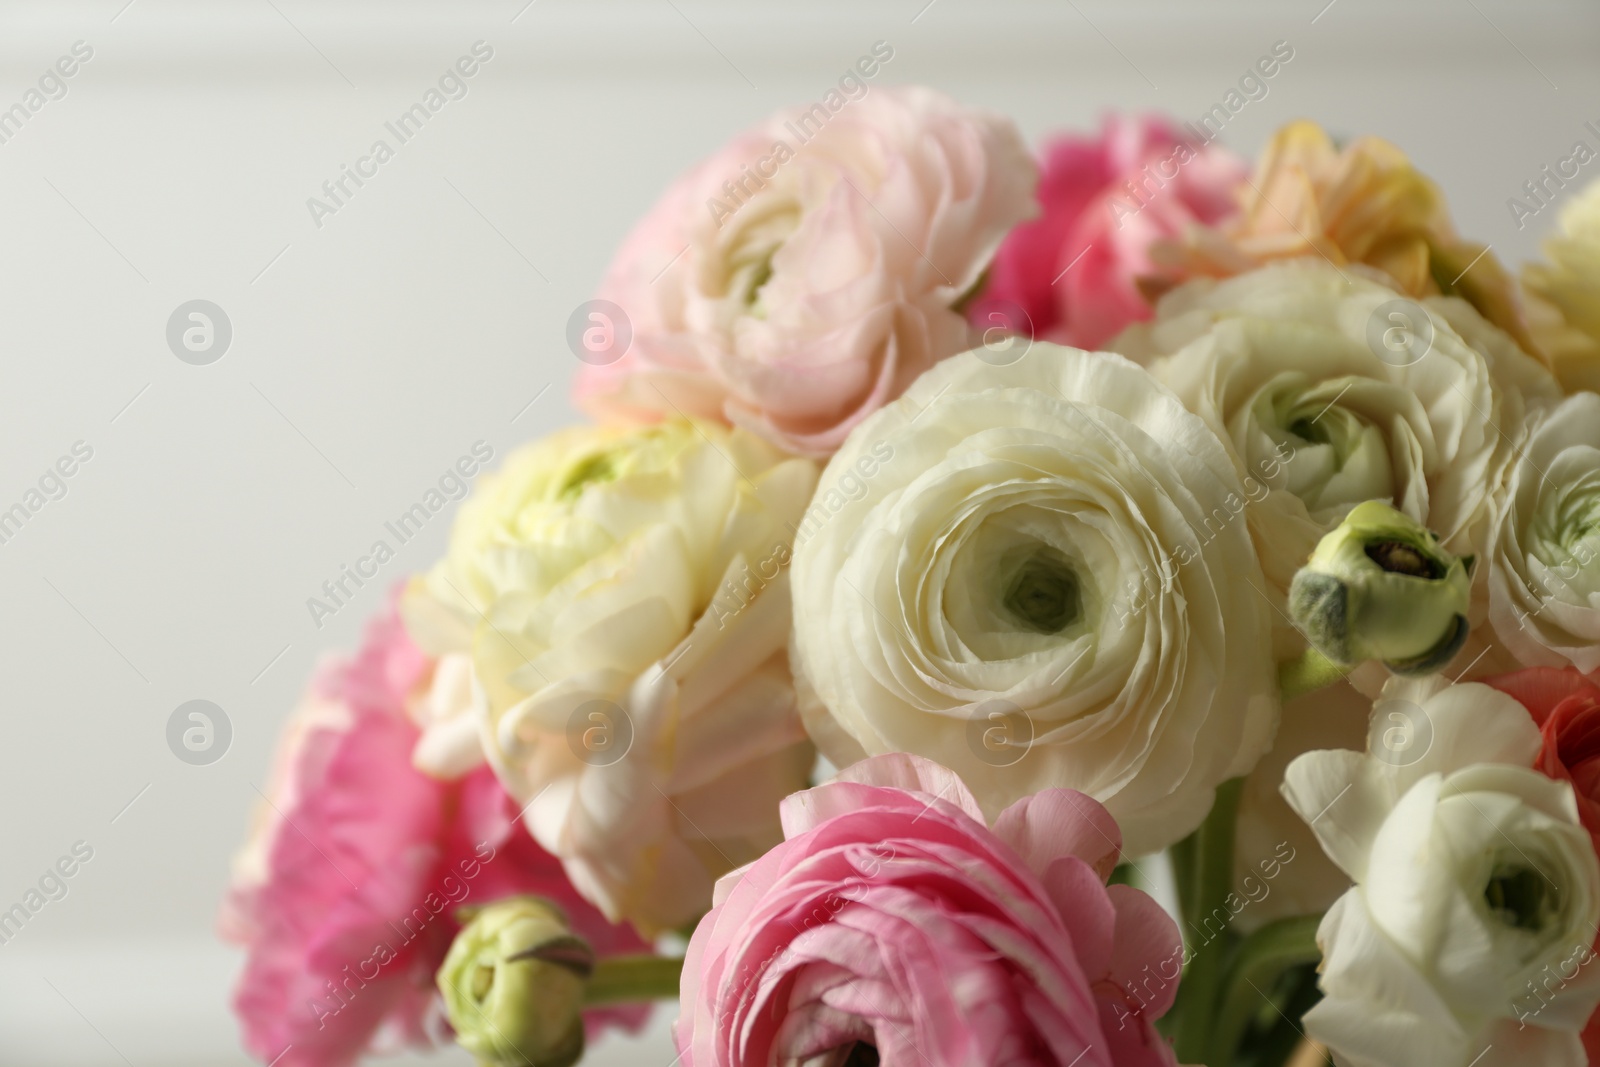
<point x="620" y="979"/>
<point x="1307" y="673"/>
<point x="1255" y="969"/>
<point x="1126" y="874"/>
<point x="1202" y="894"/>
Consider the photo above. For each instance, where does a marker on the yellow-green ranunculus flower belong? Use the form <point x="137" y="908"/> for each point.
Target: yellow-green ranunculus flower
<point x="623" y="595"/>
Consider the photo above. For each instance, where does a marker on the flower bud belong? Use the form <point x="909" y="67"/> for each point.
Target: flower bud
<point x="1380" y="587"/>
<point x="514" y="983"/>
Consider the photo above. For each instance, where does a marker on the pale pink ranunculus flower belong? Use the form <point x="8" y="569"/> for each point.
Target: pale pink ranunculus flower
<point x="892" y="917"/>
<point x="344" y="897"/>
<point x="809" y="271"/>
<point x="1082" y="270"/>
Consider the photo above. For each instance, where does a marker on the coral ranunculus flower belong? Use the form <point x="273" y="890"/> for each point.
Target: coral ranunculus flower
<point x="1566" y="706"/>
<point x="1363" y="203"/>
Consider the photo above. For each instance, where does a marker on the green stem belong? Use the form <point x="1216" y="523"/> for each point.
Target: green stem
<point x="1308" y="673"/>
<point x="1256" y="968"/>
<point x="1126" y="874"/>
<point x="619" y="979"/>
<point x="1283" y="1041"/>
<point x="1212" y="861"/>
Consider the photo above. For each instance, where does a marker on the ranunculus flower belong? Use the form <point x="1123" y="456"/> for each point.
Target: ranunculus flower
<point x="1105" y="199"/>
<point x="1036" y="575"/>
<point x="808" y="272"/>
<point x="1564" y="294"/>
<point x="1466" y="939"/>
<point x="1544" y="550"/>
<point x="624" y="596"/>
<point x="345" y="895"/>
<point x="1293" y="366"/>
<point x="893" y="927"/>
<point x="1361" y="204"/>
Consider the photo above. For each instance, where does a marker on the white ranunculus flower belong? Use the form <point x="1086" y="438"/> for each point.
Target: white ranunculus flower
<point x="1325" y="399"/>
<point x="1035" y="575"/>
<point x="1544" y="554"/>
<point x="1467" y="938"/>
<point x="623" y="597"/>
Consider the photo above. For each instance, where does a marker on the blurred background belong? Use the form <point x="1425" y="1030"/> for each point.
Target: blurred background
<point x="367" y="348"/>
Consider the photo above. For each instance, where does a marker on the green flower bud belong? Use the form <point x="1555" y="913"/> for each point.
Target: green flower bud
<point x="1380" y="587"/>
<point x="514" y="984"/>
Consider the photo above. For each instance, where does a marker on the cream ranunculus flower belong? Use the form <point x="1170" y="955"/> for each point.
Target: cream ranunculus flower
<point x="1467" y="936"/>
<point x="1564" y="294"/>
<point x="623" y="595"/>
<point x="1033" y="574"/>
<point x="1324" y="406"/>
<point x="1544" y="556"/>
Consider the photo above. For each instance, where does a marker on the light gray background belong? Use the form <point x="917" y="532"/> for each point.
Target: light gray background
<point x="370" y="353"/>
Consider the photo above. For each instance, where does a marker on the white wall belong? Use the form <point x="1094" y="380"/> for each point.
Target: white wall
<point x="376" y="349"/>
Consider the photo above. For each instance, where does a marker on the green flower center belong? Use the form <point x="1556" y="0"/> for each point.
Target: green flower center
<point x="482" y="981"/>
<point x="1044" y="595"/>
<point x="590" y="470"/>
<point x="1397" y="557"/>
<point x="1332" y="456"/>
<point x="1522" y="898"/>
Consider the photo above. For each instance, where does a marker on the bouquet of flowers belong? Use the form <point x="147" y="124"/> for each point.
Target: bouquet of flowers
<point x="968" y="550"/>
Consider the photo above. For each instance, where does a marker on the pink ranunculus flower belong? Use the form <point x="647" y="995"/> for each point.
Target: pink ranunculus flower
<point x="344" y="896"/>
<point x="808" y="272"/>
<point x="1082" y="270"/>
<point x="893" y="927"/>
